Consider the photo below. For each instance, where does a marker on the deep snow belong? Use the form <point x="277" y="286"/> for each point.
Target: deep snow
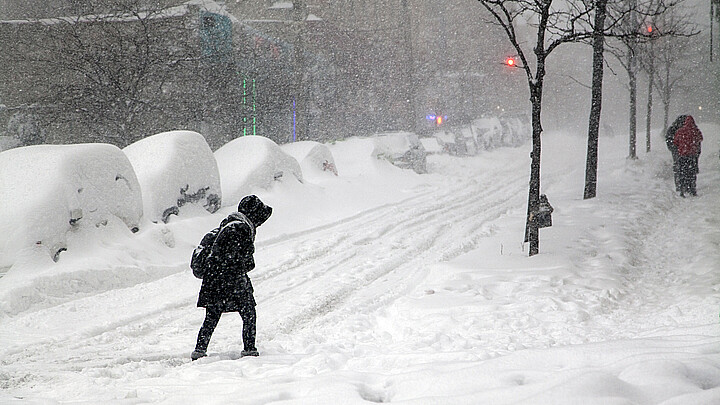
<point x="381" y="285"/>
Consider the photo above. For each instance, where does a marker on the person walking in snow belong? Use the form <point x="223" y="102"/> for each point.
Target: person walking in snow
<point x="669" y="142"/>
<point x="226" y="286"/>
<point x="687" y="140"/>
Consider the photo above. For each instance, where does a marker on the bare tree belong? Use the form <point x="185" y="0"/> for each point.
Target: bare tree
<point x="668" y="55"/>
<point x="554" y="25"/>
<point x="616" y="19"/>
<point x="633" y="32"/>
<point x="106" y="68"/>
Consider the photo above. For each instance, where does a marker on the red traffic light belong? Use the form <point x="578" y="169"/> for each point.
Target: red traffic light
<point x="510" y="62"/>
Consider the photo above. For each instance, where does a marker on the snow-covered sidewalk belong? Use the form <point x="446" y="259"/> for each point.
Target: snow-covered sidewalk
<point x="385" y="286"/>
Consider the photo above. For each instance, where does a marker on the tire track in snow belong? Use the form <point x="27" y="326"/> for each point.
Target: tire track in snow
<point x="424" y="234"/>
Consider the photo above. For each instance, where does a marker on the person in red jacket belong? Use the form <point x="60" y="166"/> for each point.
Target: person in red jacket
<point x="687" y="140"/>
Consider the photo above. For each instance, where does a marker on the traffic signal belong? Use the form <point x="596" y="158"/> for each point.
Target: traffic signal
<point x="510" y="62"/>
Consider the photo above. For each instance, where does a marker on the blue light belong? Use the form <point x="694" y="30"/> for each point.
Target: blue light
<point x="430" y="117"/>
<point x="294" y="111"/>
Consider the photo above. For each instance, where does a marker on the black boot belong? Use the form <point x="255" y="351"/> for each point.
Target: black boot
<point x="249" y="317"/>
<point x="197" y="355"/>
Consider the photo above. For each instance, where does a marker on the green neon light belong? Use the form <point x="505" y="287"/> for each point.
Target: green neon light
<point x="254" y="107"/>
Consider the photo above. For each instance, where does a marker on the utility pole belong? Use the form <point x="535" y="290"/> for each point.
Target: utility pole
<point x="299" y="94"/>
<point x="410" y="71"/>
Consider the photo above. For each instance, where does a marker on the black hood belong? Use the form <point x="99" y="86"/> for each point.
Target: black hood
<point x="254" y="210"/>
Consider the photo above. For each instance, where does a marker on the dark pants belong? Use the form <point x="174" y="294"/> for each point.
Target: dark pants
<point x="676" y="171"/>
<point x="687" y="174"/>
<point x="212" y="316"/>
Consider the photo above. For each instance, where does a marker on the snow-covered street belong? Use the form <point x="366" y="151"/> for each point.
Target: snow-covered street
<point x="382" y="285"/>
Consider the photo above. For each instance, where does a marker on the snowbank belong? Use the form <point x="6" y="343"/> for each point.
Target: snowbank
<point x="175" y="168"/>
<point x="49" y="190"/>
<point x="312" y="156"/>
<point x="252" y="162"/>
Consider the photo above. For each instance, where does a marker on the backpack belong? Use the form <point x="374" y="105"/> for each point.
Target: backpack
<point x="199" y="260"/>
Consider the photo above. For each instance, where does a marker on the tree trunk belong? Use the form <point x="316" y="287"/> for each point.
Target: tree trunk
<point x="532" y="233"/>
<point x="632" y="73"/>
<point x="666" y="112"/>
<point x="665" y="94"/>
<point x="596" y="106"/>
<point x="648" y="119"/>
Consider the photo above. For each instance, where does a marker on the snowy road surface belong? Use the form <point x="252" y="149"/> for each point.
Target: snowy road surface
<point x="415" y="289"/>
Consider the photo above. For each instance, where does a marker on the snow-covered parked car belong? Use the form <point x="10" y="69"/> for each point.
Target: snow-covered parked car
<point x="175" y="168"/>
<point x="457" y="143"/>
<point x="312" y="156"/>
<point x="488" y="132"/>
<point x="517" y="130"/>
<point x="495" y="132"/>
<point x="402" y="149"/>
<point x="432" y="145"/>
<point x="49" y="190"/>
<point x="251" y="162"/>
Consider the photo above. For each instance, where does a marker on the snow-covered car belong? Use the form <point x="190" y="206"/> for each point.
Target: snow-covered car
<point x="402" y="149"/>
<point x="488" y="132"/>
<point x="457" y="144"/>
<point x="175" y="168"/>
<point x="49" y="190"/>
<point x="432" y="145"/>
<point x="312" y="156"/>
<point x="517" y="130"/>
<point x="251" y="162"/>
<point x="495" y="132"/>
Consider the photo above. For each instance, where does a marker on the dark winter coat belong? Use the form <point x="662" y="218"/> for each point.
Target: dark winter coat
<point x="670" y="135"/>
<point x="688" y="138"/>
<point x="226" y="285"/>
